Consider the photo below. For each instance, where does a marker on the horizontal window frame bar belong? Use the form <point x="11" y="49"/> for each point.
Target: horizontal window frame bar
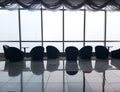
<point x="66" y="41"/>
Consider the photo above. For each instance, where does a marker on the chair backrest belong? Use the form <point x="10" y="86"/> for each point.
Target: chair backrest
<point x="115" y="54"/>
<point x="85" y="52"/>
<point x="52" y="52"/>
<point x="71" y="53"/>
<point x="101" y="52"/>
<point x="15" y="54"/>
<point x="5" y="48"/>
<point x="37" y="53"/>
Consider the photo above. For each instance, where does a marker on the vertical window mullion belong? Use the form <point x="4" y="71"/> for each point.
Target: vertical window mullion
<point x="63" y="28"/>
<point x="41" y="25"/>
<point x="105" y="27"/>
<point x="84" y="24"/>
<point x="19" y="20"/>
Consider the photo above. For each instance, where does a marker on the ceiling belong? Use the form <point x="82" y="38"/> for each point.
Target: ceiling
<point x="55" y="4"/>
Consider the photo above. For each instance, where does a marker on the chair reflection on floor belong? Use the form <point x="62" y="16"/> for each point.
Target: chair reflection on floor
<point x="14" y="68"/>
<point x="116" y="63"/>
<point x="86" y="67"/>
<point x="101" y="66"/>
<point x="37" y="68"/>
<point x="52" y="64"/>
<point x="71" y="67"/>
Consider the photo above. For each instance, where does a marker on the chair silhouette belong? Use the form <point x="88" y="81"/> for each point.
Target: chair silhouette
<point x="14" y="54"/>
<point x="115" y="54"/>
<point x="101" y="52"/>
<point x="52" y="52"/>
<point x="5" y="48"/>
<point x="85" y="52"/>
<point x="37" y="53"/>
<point x="71" y="53"/>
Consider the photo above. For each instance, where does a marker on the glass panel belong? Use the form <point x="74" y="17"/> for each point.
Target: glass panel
<point x="30" y="25"/>
<point x="58" y="45"/>
<point x="113" y="45"/>
<point x="52" y="25"/>
<point x="9" y="29"/>
<point x="30" y="45"/>
<point x="113" y="25"/>
<point x="74" y="25"/>
<point x="95" y="25"/>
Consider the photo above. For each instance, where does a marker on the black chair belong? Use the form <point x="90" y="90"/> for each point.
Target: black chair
<point x="14" y="54"/>
<point x="115" y="54"/>
<point x="71" y="53"/>
<point x="37" y="53"/>
<point x="52" y="52"/>
<point x="5" y="48"/>
<point x="101" y="52"/>
<point x="85" y="52"/>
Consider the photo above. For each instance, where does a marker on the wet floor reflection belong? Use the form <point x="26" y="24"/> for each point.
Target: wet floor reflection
<point x="60" y="76"/>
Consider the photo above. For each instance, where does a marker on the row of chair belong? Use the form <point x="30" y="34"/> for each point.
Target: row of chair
<point x="71" y="53"/>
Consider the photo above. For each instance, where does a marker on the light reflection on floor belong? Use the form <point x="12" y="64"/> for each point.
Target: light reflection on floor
<point x="60" y="76"/>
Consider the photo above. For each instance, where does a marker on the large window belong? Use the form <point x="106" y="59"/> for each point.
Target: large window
<point x="113" y="29"/>
<point x="9" y="29"/>
<point x="60" y="28"/>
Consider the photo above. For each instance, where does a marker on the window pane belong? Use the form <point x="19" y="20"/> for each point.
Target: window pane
<point x="74" y="25"/>
<point x="30" y="25"/>
<point x="114" y="45"/>
<point x="113" y="25"/>
<point x="30" y="45"/>
<point x="12" y="44"/>
<point x="52" y="25"/>
<point x="9" y="29"/>
<point x="95" y="25"/>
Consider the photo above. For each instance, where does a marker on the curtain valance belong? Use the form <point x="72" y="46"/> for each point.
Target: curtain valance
<point x="54" y="4"/>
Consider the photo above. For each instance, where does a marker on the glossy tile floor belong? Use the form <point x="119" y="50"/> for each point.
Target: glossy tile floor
<point x="60" y="76"/>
